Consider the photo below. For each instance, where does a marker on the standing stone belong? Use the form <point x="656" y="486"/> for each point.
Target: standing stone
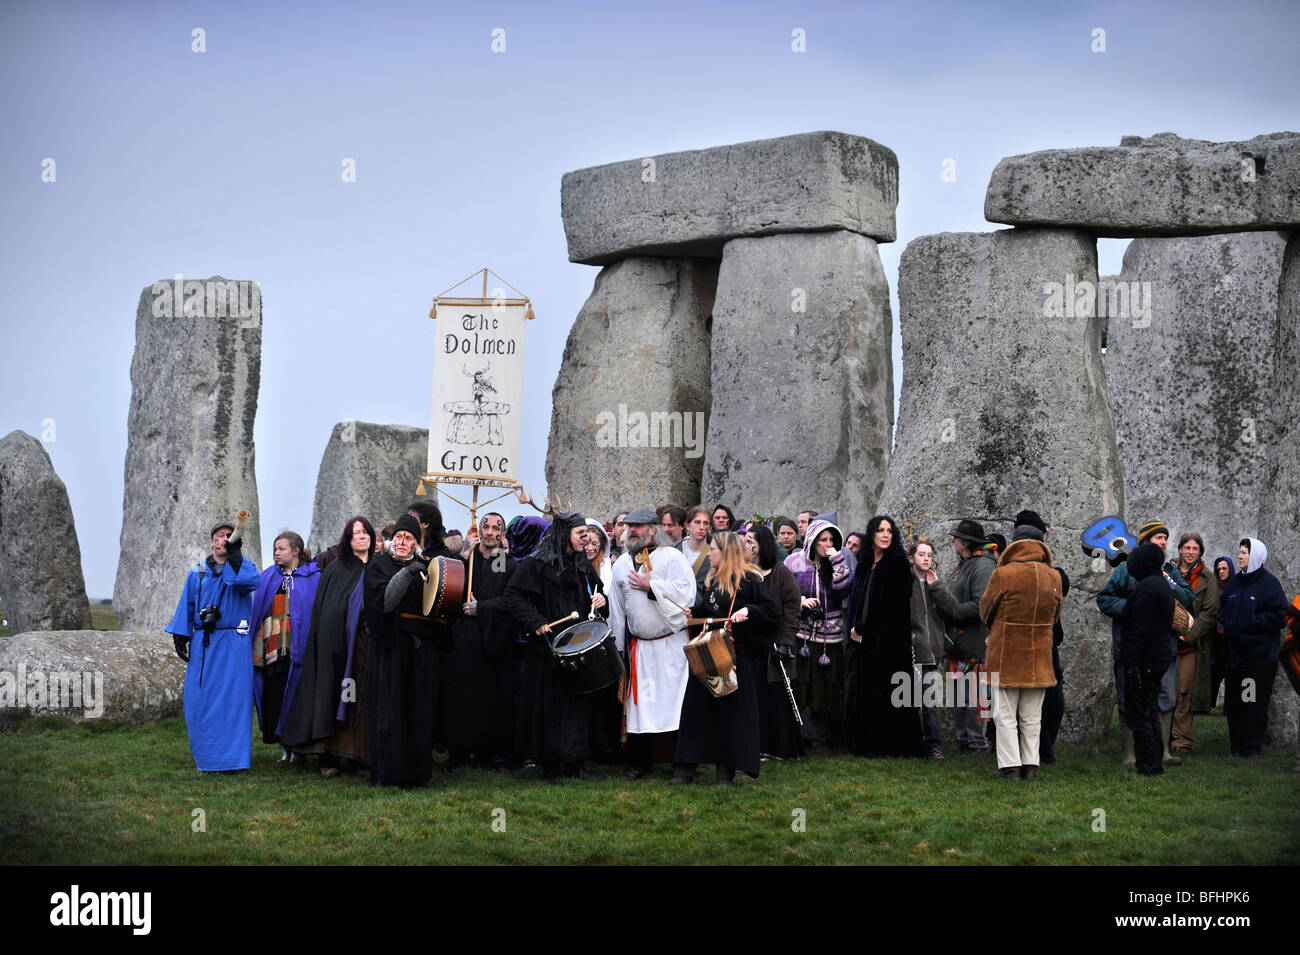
<point x="1281" y="500"/>
<point x="368" y="469"/>
<point x="1280" y="503"/>
<point x="1004" y="406"/>
<point x="631" y="401"/>
<point x="189" y="454"/>
<point x="1191" y="372"/>
<point x="1160" y="185"/>
<point x="692" y="203"/>
<point x="802" y="377"/>
<point x="40" y="560"/>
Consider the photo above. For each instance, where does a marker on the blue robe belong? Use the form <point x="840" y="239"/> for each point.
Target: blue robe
<point x="219" y="676"/>
<point x="306" y="578"/>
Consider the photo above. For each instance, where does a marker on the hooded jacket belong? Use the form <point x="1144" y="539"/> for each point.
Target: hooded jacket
<point x="606" y="572"/>
<point x="1252" y="611"/>
<point x="1113" y="597"/>
<point x="833" y="599"/>
<point x="1020" y="607"/>
<point x="1148" y="612"/>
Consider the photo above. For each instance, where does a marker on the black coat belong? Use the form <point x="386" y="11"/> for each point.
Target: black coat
<point x="725" y="730"/>
<point x="553" y="723"/>
<point x="880" y="611"/>
<point x="402" y="677"/>
<point x="477" y="696"/>
<point x="313" y="713"/>
<point x="1148" y="615"/>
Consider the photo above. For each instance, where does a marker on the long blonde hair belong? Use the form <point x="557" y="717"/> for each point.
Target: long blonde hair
<point x="736" y="563"/>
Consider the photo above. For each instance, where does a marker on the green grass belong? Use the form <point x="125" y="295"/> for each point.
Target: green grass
<point x="101" y="618"/>
<point x="99" y="793"/>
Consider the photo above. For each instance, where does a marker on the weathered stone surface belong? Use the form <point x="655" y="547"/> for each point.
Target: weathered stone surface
<point x="1191" y="372"/>
<point x="1281" y="498"/>
<point x="1280" y="501"/>
<point x="802" y="377"/>
<point x="369" y="469"/>
<point x="1160" y="185"/>
<point x="189" y="455"/>
<point x="1283" y="714"/>
<point x="92" y="674"/>
<point x="40" y="560"/>
<point x="691" y="203"/>
<point x="631" y="401"/>
<point x="1004" y="406"/>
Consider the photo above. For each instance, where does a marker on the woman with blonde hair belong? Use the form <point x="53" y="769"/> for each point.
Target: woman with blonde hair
<point x="724" y="730"/>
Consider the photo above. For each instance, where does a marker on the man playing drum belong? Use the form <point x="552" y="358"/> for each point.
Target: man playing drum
<point x="555" y="721"/>
<point x="651" y="586"/>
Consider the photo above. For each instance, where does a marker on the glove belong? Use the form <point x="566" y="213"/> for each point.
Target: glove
<point x="784" y="652"/>
<point x="182" y="645"/>
<point x="235" y="554"/>
<point x="471" y="609"/>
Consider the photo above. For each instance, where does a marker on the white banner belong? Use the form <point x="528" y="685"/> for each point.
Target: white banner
<point x="478" y="392"/>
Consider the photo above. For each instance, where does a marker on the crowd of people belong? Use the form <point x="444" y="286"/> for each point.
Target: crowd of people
<point x="390" y="646"/>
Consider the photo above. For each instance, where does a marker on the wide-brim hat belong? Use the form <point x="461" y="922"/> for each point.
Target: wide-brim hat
<point x="971" y="531"/>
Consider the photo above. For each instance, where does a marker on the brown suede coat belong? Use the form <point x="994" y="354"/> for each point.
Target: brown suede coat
<point x="1019" y="607"/>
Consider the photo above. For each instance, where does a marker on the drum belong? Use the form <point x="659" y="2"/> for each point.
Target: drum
<point x="444" y="588"/>
<point x="586" y="654"/>
<point x="712" y="659"/>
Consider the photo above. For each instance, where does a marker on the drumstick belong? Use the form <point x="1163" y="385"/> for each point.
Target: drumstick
<point x="572" y="616"/>
<point x="705" y="621"/>
<point x="685" y="610"/>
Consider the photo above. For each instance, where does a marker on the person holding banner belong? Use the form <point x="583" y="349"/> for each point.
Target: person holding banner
<point x="477" y="697"/>
<point x="555" y="724"/>
<point x="724" y="730"/>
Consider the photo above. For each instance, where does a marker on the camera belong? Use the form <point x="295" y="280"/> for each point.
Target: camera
<point x="812" y="614"/>
<point x="209" y="616"/>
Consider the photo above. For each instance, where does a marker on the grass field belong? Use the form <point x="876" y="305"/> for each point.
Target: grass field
<point x="101" y="618"/>
<point x="103" y="793"/>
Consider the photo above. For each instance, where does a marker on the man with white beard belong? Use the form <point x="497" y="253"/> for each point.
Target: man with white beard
<point x="650" y="582"/>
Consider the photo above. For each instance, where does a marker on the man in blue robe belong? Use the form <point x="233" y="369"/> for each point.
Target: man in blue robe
<point x="211" y="633"/>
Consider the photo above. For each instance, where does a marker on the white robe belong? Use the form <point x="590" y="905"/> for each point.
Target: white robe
<point x="654" y="699"/>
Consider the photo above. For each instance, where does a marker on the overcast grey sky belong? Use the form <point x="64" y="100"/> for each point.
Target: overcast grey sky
<point x="228" y="162"/>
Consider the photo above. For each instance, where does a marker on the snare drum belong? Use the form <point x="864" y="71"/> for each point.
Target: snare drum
<point x="586" y="654"/>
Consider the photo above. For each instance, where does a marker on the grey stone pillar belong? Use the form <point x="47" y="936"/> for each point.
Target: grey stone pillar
<point x="40" y="560"/>
<point x="802" y="377"/>
<point x="367" y="469"/>
<point x="189" y="456"/>
<point x="1004" y="406"/>
<point x="631" y="401"/>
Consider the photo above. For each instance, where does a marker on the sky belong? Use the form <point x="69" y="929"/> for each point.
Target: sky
<point x="228" y="161"/>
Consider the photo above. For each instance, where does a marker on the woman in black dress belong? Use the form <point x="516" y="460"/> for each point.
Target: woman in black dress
<point x="880" y="645"/>
<point x="724" y="730"/>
